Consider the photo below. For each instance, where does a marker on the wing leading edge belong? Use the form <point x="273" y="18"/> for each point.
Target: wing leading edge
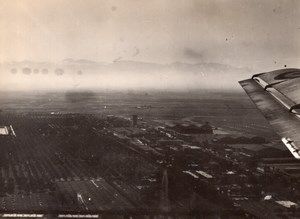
<point x="277" y="95"/>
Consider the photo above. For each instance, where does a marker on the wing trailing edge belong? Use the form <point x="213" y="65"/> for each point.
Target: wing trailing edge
<point x="277" y="95"/>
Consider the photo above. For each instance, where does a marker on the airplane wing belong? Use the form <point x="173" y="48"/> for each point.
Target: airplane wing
<point x="277" y="95"/>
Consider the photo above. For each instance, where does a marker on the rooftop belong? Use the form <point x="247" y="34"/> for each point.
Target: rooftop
<point x="4" y="130"/>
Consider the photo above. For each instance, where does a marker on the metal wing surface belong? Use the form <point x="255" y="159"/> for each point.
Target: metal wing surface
<point x="277" y="95"/>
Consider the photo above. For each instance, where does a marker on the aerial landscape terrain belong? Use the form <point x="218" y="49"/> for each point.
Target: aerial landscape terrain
<point x="136" y="109"/>
<point x="196" y="154"/>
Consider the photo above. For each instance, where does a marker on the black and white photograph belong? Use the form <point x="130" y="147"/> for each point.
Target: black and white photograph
<point x="150" y="109"/>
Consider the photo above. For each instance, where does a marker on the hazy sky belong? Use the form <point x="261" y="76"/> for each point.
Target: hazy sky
<point x="243" y="33"/>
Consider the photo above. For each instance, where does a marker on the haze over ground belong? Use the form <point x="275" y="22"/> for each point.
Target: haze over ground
<point x="139" y="44"/>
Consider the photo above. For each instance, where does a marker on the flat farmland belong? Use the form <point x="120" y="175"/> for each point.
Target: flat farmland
<point x="65" y="162"/>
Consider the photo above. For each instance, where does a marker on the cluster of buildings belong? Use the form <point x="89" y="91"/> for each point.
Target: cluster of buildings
<point x="242" y="172"/>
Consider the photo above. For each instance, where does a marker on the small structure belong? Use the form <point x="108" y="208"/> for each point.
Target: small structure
<point x="268" y="197"/>
<point x="4" y="130"/>
<point x="258" y="150"/>
<point x="7" y="131"/>
<point x="206" y="175"/>
<point x="287" y="204"/>
<point x="193" y="129"/>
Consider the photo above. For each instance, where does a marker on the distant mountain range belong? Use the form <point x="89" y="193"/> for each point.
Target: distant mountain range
<point x="132" y="66"/>
<point x="127" y="74"/>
